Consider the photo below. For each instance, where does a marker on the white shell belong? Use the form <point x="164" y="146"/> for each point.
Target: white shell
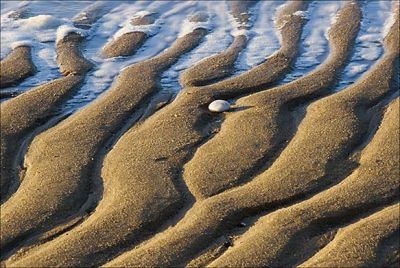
<point x="219" y="106"/>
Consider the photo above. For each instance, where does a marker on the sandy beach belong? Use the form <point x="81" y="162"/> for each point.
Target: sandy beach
<point x="112" y="157"/>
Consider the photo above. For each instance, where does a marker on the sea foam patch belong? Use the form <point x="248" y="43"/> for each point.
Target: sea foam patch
<point x="106" y="70"/>
<point x="150" y="29"/>
<point x="66" y="29"/>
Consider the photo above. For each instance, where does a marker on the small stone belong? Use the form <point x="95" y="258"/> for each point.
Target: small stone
<point x="219" y="106"/>
<point x="242" y="224"/>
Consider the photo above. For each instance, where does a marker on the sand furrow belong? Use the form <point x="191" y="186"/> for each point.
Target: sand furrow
<point x="186" y="120"/>
<point x="359" y="244"/>
<point x="21" y="115"/>
<point x="111" y="157"/>
<point x="295" y="173"/>
<point x="265" y="122"/>
<point x="275" y="237"/>
<point x="16" y="66"/>
<point x="60" y="161"/>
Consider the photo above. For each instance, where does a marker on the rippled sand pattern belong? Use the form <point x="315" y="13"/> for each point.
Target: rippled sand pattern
<point x="110" y="156"/>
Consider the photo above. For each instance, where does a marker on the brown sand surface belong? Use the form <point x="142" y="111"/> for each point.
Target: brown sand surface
<point x="21" y="115"/>
<point x="214" y="67"/>
<point x="365" y="238"/>
<point x="292" y="175"/>
<point x="127" y="44"/>
<point x="16" y="66"/>
<point x="258" y="127"/>
<point x="124" y="45"/>
<point x="67" y="161"/>
<point x="274" y="237"/>
<point x="69" y="56"/>
<point x="80" y="155"/>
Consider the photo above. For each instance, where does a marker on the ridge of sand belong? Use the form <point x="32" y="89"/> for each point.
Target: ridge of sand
<point x="127" y="44"/>
<point x="16" y="66"/>
<point x="365" y="238"/>
<point x="206" y="220"/>
<point x="215" y="67"/>
<point x="274" y="237"/>
<point x="264" y="124"/>
<point x="25" y="112"/>
<point x="69" y="57"/>
<point x="263" y="75"/>
<point x="178" y="120"/>
<point x="19" y="116"/>
<point x="67" y="162"/>
<point x="328" y="163"/>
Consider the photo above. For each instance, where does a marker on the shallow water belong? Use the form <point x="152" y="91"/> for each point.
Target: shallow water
<point x="39" y="21"/>
<point x="368" y="47"/>
<point x="314" y="46"/>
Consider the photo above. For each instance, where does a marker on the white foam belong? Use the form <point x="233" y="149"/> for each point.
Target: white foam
<point x="22" y="43"/>
<point x="190" y="26"/>
<point x="66" y="29"/>
<point x="215" y="42"/>
<point x="389" y="22"/>
<point x="150" y="29"/>
<point x="38" y="29"/>
<point x="172" y="15"/>
<point x="237" y="32"/>
<point x="303" y="14"/>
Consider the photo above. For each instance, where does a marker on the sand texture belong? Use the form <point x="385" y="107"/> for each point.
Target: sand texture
<point x="16" y="66"/>
<point x="300" y="173"/>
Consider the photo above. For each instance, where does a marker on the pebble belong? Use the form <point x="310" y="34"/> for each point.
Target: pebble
<point x="219" y="106"/>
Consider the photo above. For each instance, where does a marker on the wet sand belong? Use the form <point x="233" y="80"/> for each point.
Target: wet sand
<point x="295" y="174"/>
<point x="16" y="66"/>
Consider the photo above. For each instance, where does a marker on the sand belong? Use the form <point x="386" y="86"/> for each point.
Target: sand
<point x="294" y="174"/>
<point x="16" y="66"/>
<point x="128" y="43"/>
